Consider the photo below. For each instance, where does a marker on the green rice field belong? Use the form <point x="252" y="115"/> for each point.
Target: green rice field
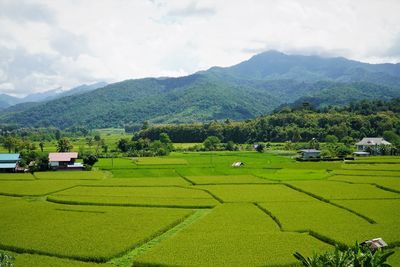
<point x="195" y="209"/>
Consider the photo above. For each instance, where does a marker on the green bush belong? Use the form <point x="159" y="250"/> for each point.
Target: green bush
<point x="6" y="260"/>
<point x="351" y="257"/>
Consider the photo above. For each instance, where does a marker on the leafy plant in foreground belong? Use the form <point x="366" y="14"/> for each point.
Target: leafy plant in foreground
<point x="357" y="256"/>
<point x="6" y="260"/>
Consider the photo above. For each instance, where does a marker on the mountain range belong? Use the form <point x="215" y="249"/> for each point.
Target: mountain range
<point x="248" y="89"/>
<point x="8" y="100"/>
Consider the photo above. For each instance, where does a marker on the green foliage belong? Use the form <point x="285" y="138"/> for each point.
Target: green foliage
<point x="211" y="143"/>
<point x="64" y="145"/>
<point x="356" y="256"/>
<point x="260" y="148"/>
<point x="330" y="125"/>
<point x="331" y="139"/>
<point x="6" y="260"/>
<point x="231" y="146"/>
<point x="249" y="89"/>
<point x="90" y="160"/>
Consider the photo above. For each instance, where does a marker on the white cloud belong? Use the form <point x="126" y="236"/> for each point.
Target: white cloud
<point x="48" y="44"/>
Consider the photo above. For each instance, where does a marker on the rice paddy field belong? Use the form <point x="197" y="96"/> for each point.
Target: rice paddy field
<point x="195" y="209"/>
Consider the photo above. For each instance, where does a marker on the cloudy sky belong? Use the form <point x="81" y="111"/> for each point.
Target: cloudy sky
<point x="61" y="44"/>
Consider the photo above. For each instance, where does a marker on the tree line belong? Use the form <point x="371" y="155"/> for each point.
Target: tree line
<point x="347" y="124"/>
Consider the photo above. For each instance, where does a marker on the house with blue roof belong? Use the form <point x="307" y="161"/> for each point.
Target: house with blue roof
<point x="9" y="162"/>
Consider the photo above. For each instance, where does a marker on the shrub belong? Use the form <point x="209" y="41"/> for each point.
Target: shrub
<point x="89" y="160"/>
<point x="211" y="143"/>
<point x="356" y="256"/>
<point x="260" y="148"/>
<point x="6" y="260"/>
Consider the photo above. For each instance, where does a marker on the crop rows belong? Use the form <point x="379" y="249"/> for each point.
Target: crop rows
<point x="231" y="235"/>
<point x="135" y="196"/>
<point x="83" y="233"/>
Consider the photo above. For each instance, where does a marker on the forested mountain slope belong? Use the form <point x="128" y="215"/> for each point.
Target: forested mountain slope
<point x="248" y="89"/>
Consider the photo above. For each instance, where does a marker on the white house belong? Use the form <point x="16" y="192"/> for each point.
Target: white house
<point x="372" y="145"/>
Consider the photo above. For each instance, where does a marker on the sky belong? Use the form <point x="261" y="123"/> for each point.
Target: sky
<point x="53" y="44"/>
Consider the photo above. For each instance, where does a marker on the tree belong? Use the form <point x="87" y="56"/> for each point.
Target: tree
<point x="348" y="140"/>
<point x="123" y="145"/>
<point x="89" y="160"/>
<point x="313" y="143"/>
<point x="159" y="148"/>
<point x="342" y="150"/>
<point x="97" y="138"/>
<point x="211" y="143"/>
<point x="41" y="145"/>
<point x="145" y="125"/>
<point x="164" y="138"/>
<point x="392" y="137"/>
<point x="331" y="139"/>
<point x="9" y="142"/>
<point x="260" y="148"/>
<point x="231" y="146"/>
<point x="58" y="134"/>
<point x="89" y="141"/>
<point x="64" y="145"/>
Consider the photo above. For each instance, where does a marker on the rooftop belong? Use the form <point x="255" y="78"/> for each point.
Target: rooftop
<point x="63" y="156"/>
<point x="9" y="157"/>
<point x="371" y="141"/>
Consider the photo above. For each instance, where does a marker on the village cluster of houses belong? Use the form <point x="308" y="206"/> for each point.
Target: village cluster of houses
<point x="367" y="146"/>
<point x="57" y="161"/>
<point x="66" y="160"/>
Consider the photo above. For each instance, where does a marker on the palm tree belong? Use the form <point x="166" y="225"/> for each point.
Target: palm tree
<point x="63" y="145"/>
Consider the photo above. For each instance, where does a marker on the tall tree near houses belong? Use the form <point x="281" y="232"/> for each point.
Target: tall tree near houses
<point x="64" y="145"/>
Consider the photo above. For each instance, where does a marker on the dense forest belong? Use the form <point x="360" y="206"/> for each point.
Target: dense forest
<point x="296" y="124"/>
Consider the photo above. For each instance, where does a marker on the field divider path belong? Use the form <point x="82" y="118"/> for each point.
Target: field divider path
<point x="127" y="259"/>
<point x="217" y="198"/>
<point x="36" y="196"/>
<point x="369" y="220"/>
<point x="373" y="184"/>
<point x="184" y="178"/>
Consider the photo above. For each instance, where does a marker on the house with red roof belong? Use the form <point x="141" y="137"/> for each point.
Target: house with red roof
<point x="64" y="161"/>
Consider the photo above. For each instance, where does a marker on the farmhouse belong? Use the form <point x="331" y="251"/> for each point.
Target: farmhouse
<point x="64" y="160"/>
<point x="373" y="145"/>
<point x="310" y="154"/>
<point x="8" y="162"/>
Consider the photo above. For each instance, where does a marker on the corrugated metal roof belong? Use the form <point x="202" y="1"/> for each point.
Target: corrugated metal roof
<point x="371" y="141"/>
<point x="63" y="156"/>
<point x="9" y="157"/>
<point x="8" y="165"/>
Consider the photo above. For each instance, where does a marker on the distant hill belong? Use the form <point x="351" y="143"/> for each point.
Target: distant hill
<point x="13" y="104"/>
<point x="248" y="89"/>
<point x="7" y="100"/>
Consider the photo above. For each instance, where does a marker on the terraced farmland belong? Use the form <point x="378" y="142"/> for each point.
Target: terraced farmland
<point x="194" y="209"/>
